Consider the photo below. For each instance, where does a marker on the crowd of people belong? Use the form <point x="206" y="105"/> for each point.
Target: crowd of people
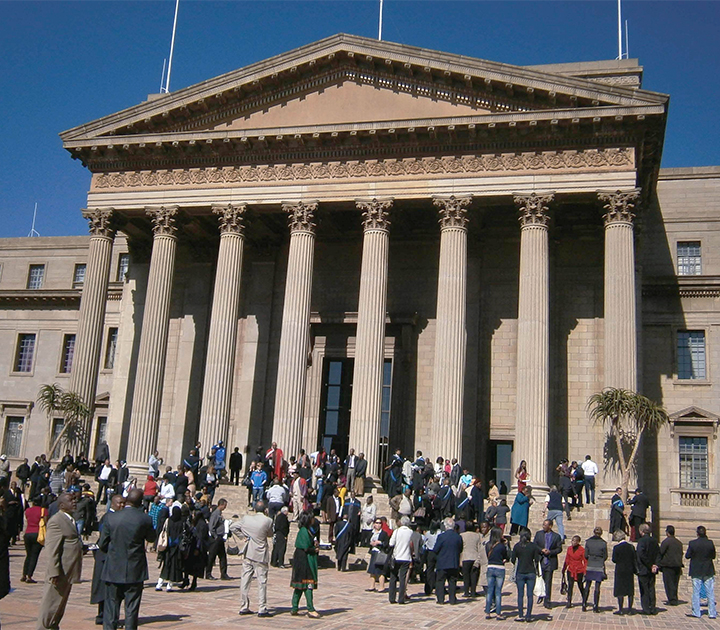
<point x="445" y="532"/>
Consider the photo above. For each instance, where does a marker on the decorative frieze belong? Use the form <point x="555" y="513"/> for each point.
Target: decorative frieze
<point x="300" y="216"/>
<point x="100" y="221"/>
<point x="375" y="215"/>
<point x="448" y="165"/>
<point x="533" y="208"/>
<point x="619" y="205"/>
<point x="163" y="219"/>
<point x="452" y="211"/>
<point x="230" y="217"/>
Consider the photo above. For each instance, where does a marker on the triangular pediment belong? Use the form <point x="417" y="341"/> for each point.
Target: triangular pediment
<point x="693" y="414"/>
<point x="346" y="79"/>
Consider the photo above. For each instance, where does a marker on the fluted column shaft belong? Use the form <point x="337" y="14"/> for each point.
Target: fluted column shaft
<point x="450" y="330"/>
<point x="91" y="317"/>
<point x="533" y="337"/>
<point x="150" y="372"/>
<point x="620" y="297"/>
<point x="295" y="330"/>
<point x="366" y="406"/>
<point x="220" y="360"/>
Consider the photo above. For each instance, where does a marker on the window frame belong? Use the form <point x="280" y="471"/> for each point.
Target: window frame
<point x="7" y="418"/>
<point x="62" y="371"/>
<point x="32" y="266"/>
<point x="692" y="464"/>
<point x="77" y="284"/>
<point x="691" y="379"/>
<point x="120" y="277"/>
<point x="699" y="257"/>
<point x="16" y="355"/>
<point x="106" y="353"/>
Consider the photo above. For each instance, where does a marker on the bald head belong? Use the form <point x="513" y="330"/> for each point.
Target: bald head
<point x="135" y="497"/>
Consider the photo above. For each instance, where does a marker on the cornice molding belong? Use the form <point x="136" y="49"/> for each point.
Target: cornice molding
<point x="592" y="159"/>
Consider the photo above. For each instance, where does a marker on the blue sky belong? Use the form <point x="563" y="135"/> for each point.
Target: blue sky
<point x="66" y="63"/>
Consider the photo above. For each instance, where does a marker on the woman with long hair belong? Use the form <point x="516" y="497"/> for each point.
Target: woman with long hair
<point x="497" y="553"/>
<point x="521" y="474"/>
<point x="378" y="543"/>
<point x="526" y="557"/>
<point x="304" y="567"/>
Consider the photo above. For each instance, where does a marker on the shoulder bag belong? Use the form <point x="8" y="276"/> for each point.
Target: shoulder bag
<point x="162" y="540"/>
<point x="42" y="530"/>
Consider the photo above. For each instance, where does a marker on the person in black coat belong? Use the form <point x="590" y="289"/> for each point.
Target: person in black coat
<point x="648" y="552"/>
<point x="343" y="542"/>
<point x="236" y="464"/>
<point x="477" y="500"/>
<point x="701" y="553"/>
<point x="353" y="509"/>
<point x="617" y="512"/>
<point x="671" y="563"/>
<point x="123" y="540"/>
<point x="97" y="590"/>
<point x="281" y="531"/>
<point x="550" y="545"/>
<point x="638" y="513"/>
<point x="446" y="497"/>
<point x="196" y="542"/>
<point x="448" y="547"/>
<point x="625" y="569"/>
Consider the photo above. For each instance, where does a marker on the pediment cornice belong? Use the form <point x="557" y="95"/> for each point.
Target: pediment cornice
<point x="502" y="88"/>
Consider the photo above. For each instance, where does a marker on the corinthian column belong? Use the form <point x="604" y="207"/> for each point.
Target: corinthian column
<point x="450" y="329"/>
<point x="533" y="337"/>
<point x="366" y="403"/>
<point x="620" y="307"/>
<point x="91" y="318"/>
<point x="295" y="331"/>
<point x="220" y="361"/>
<point x="154" y="336"/>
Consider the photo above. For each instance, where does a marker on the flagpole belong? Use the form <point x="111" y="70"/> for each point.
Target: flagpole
<point x="380" y="23"/>
<point x="172" y="47"/>
<point x="620" y="52"/>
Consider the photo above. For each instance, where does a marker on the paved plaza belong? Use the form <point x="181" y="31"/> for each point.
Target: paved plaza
<point x="341" y="598"/>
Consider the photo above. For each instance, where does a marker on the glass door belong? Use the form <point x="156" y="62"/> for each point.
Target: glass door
<point x="334" y="425"/>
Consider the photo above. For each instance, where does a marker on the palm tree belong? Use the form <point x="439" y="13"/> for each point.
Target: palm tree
<point x="53" y="400"/>
<point x="628" y="415"/>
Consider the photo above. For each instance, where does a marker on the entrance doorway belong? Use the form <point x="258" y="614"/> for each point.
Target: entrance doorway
<point x="336" y="396"/>
<point x="500" y="460"/>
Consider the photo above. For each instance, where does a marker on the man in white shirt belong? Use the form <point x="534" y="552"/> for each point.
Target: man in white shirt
<point x="402" y="552"/>
<point x="276" y="497"/>
<point x="590" y="469"/>
<point x="350" y="469"/>
<point x="103" y="479"/>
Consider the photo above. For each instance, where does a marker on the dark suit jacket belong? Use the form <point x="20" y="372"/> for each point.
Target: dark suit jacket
<point x="640" y="504"/>
<point x="671" y="553"/>
<point x="448" y="547"/>
<point x="123" y="540"/>
<point x="361" y="467"/>
<point x="236" y="461"/>
<point x="555" y="548"/>
<point x="701" y="553"/>
<point x="648" y="552"/>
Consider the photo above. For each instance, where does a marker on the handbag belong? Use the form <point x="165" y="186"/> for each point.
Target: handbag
<point x="419" y="513"/>
<point x="381" y="559"/>
<point x="162" y="540"/>
<point x="563" y="585"/>
<point x="539" y="590"/>
<point x="42" y="530"/>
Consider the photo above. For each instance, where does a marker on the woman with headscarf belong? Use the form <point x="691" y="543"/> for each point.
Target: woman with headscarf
<point x="304" y="567"/>
<point x="171" y="558"/>
<point x="196" y="548"/>
<point x="625" y="569"/>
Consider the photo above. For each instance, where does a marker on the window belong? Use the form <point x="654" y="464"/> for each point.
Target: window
<point x="334" y="425"/>
<point x="36" y="276"/>
<point x="57" y="427"/>
<point x="384" y="454"/>
<point x="101" y="434"/>
<point x="13" y="436"/>
<point x="123" y="265"/>
<point x="111" y="348"/>
<point x="68" y="350"/>
<point x="694" y="463"/>
<point x="691" y="354"/>
<point x="25" y="353"/>
<point x="689" y="260"/>
<point x="79" y="275"/>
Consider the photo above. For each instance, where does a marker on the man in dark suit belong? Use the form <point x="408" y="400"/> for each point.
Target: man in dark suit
<point x="352" y="508"/>
<point x="455" y="473"/>
<point x="638" y="513"/>
<point x="123" y="539"/>
<point x="550" y="545"/>
<point x="236" y="463"/>
<point x="448" y="547"/>
<point x="670" y="563"/>
<point x="477" y="500"/>
<point x="97" y="591"/>
<point x="63" y="549"/>
<point x="701" y="553"/>
<point x="648" y="552"/>
<point x="360" y="474"/>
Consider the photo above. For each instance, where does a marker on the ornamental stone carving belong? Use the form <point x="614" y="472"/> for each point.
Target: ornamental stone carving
<point x="452" y="211"/>
<point x="300" y="216"/>
<point x="533" y="209"/>
<point x="619" y="205"/>
<point x="509" y="162"/>
<point x="100" y="221"/>
<point x="375" y="215"/>
<point x="230" y="218"/>
<point x="163" y="219"/>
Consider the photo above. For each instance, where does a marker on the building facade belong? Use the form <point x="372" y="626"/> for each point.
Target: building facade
<point x="363" y="244"/>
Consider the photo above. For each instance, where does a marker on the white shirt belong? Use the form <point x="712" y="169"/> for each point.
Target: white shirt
<point x="400" y="542"/>
<point x="589" y="468"/>
<point x="105" y="473"/>
<point x="276" y="494"/>
<point x="167" y="491"/>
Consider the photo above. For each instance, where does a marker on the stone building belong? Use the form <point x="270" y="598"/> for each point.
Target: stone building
<point x="364" y="244"/>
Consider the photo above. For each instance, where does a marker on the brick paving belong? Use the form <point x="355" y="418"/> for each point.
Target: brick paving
<point x="341" y="598"/>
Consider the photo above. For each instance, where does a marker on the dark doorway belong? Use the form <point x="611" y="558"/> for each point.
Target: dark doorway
<point x="500" y="463"/>
<point x="334" y="425"/>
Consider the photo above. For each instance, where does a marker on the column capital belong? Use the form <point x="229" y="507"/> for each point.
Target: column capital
<point x="100" y="221"/>
<point x="231" y="217"/>
<point x="619" y="205"/>
<point x="452" y="211"/>
<point x="300" y="216"/>
<point x="375" y="215"/>
<point x="163" y="219"/>
<point x="533" y="208"/>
